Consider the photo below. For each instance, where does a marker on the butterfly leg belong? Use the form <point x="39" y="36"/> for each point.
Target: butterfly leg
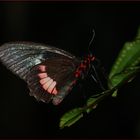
<point x="97" y="79"/>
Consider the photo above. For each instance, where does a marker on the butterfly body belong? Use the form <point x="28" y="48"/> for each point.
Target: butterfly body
<point x="49" y="72"/>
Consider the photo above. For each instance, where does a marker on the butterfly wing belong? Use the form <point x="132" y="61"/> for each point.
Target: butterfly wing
<point x="30" y="61"/>
<point x="54" y="77"/>
<point x="21" y="57"/>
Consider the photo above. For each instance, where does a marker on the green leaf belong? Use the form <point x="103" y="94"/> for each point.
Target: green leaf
<point x="124" y="76"/>
<point x="71" y="117"/>
<point x="124" y="70"/>
<point x="128" y="57"/>
<point x="115" y="93"/>
<point x="138" y="34"/>
<point x="90" y="101"/>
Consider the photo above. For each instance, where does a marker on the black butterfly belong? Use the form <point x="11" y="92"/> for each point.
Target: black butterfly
<point x="49" y="72"/>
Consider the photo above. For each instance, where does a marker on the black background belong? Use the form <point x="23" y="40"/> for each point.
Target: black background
<point x="69" y="25"/>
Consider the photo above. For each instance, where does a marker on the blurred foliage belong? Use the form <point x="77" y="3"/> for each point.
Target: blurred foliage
<point x="124" y="70"/>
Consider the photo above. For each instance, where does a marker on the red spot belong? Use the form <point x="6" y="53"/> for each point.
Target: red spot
<point x="42" y="75"/>
<point x="47" y="84"/>
<point x="54" y="91"/>
<point x="51" y="87"/>
<point x="43" y="81"/>
<point x="42" y="68"/>
<point x="77" y="74"/>
<point x="82" y="66"/>
<point x="93" y="58"/>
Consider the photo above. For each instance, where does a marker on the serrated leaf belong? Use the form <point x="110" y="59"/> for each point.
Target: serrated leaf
<point x="128" y="57"/>
<point x="71" y="117"/>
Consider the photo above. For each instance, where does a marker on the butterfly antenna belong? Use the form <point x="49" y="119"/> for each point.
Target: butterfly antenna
<point x="91" y="41"/>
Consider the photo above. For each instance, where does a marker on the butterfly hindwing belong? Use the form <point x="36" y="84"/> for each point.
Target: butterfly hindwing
<point x="31" y="61"/>
<point x="55" y="76"/>
<point x="36" y="89"/>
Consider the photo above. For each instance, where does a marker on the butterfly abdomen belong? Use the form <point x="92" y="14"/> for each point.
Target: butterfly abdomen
<point x="84" y="66"/>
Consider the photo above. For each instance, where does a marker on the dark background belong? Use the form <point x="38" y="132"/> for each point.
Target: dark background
<point x="69" y="25"/>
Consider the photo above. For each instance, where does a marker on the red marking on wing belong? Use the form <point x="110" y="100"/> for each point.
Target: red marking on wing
<point x="43" y="81"/>
<point x="51" y="87"/>
<point x="47" y="84"/>
<point x="54" y="91"/>
<point x="42" y="75"/>
<point x="42" y="68"/>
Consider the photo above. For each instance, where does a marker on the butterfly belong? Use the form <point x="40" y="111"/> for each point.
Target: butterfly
<point x="49" y="72"/>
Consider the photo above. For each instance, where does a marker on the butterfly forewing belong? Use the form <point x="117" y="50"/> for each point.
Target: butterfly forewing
<point x="21" y="57"/>
<point x="31" y="61"/>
